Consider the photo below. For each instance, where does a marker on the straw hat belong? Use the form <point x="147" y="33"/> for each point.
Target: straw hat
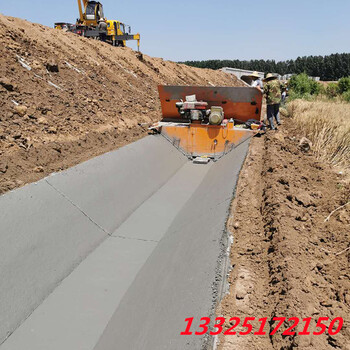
<point x="270" y="76"/>
<point x="255" y="75"/>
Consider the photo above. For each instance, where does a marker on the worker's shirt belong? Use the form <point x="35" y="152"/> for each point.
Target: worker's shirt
<point x="257" y="83"/>
<point x="272" y="91"/>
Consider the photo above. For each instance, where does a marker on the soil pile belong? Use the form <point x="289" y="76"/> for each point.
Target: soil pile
<point x="65" y="98"/>
<point x="287" y="259"/>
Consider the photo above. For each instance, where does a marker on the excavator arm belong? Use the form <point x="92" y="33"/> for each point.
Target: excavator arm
<point x="81" y="7"/>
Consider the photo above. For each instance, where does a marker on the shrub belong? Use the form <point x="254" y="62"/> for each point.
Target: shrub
<point x="346" y="96"/>
<point x="315" y="87"/>
<point x="322" y="89"/>
<point x="344" y="85"/>
<point x="332" y="90"/>
<point x="295" y="96"/>
<point x="302" y="86"/>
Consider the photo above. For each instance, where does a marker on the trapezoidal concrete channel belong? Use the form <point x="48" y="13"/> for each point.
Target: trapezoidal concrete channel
<point x="116" y="252"/>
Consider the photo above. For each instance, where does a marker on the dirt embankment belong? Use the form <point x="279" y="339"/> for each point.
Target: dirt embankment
<point x="287" y="261"/>
<point x="82" y="98"/>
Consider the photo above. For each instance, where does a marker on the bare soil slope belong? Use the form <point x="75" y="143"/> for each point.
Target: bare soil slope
<point x="288" y="261"/>
<point x="82" y="98"/>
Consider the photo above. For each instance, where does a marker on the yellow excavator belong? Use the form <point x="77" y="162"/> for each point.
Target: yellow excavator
<point x="90" y="13"/>
<point x="90" y="16"/>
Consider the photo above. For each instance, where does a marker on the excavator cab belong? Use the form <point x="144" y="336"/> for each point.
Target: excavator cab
<point x="90" y="13"/>
<point x="94" y="11"/>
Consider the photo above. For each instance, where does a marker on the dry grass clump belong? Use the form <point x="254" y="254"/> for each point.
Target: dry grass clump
<point x="327" y="125"/>
<point x="284" y="112"/>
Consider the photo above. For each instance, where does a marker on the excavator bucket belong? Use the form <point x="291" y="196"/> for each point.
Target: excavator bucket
<point x="241" y="108"/>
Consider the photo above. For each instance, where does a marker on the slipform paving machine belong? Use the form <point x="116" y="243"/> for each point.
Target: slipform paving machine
<point x="207" y="122"/>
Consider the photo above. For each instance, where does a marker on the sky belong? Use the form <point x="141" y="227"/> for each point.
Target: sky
<point x="214" y="29"/>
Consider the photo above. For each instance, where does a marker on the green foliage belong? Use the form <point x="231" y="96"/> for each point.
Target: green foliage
<point x="344" y="85"/>
<point x="322" y="89"/>
<point x="301" y="86"/>
<point x="332" y="90"/>
<point x="346" y="96"/>
<point x="297" y="96"/>
<point x="328" y="68"/>
<point x="315" y="87"/>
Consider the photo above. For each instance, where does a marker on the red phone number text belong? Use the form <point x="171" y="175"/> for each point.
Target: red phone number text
<point x="333" y="328"/>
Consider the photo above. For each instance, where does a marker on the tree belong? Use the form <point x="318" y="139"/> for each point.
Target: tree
<point x="329" y="68"/>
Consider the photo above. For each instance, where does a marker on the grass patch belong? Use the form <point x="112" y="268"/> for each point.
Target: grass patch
<point x="327" y="125"/>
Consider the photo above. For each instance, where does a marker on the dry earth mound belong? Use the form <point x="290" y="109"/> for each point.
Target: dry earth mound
<point x="64" y="98"/>
<point x="291" y="254"/>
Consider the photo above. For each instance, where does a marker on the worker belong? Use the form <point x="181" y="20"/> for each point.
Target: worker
<point x="102" y="26"/>
<point x="272" y="91"/>
<point x="284" y="92"/>
<point x="256" y="81"/>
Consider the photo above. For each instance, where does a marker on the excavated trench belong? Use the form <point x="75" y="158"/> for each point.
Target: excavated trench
<point x="116" y="252"/>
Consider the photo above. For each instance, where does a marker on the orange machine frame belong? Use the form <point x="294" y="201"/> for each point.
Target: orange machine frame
<point x="239" y="103"/>
<point x="195" y="139"/>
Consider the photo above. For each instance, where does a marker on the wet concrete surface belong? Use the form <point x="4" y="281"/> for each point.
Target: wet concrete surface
<point x="146" y="226"/>
<point x="179" y="280"/>
<point x="47" y="228"/>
